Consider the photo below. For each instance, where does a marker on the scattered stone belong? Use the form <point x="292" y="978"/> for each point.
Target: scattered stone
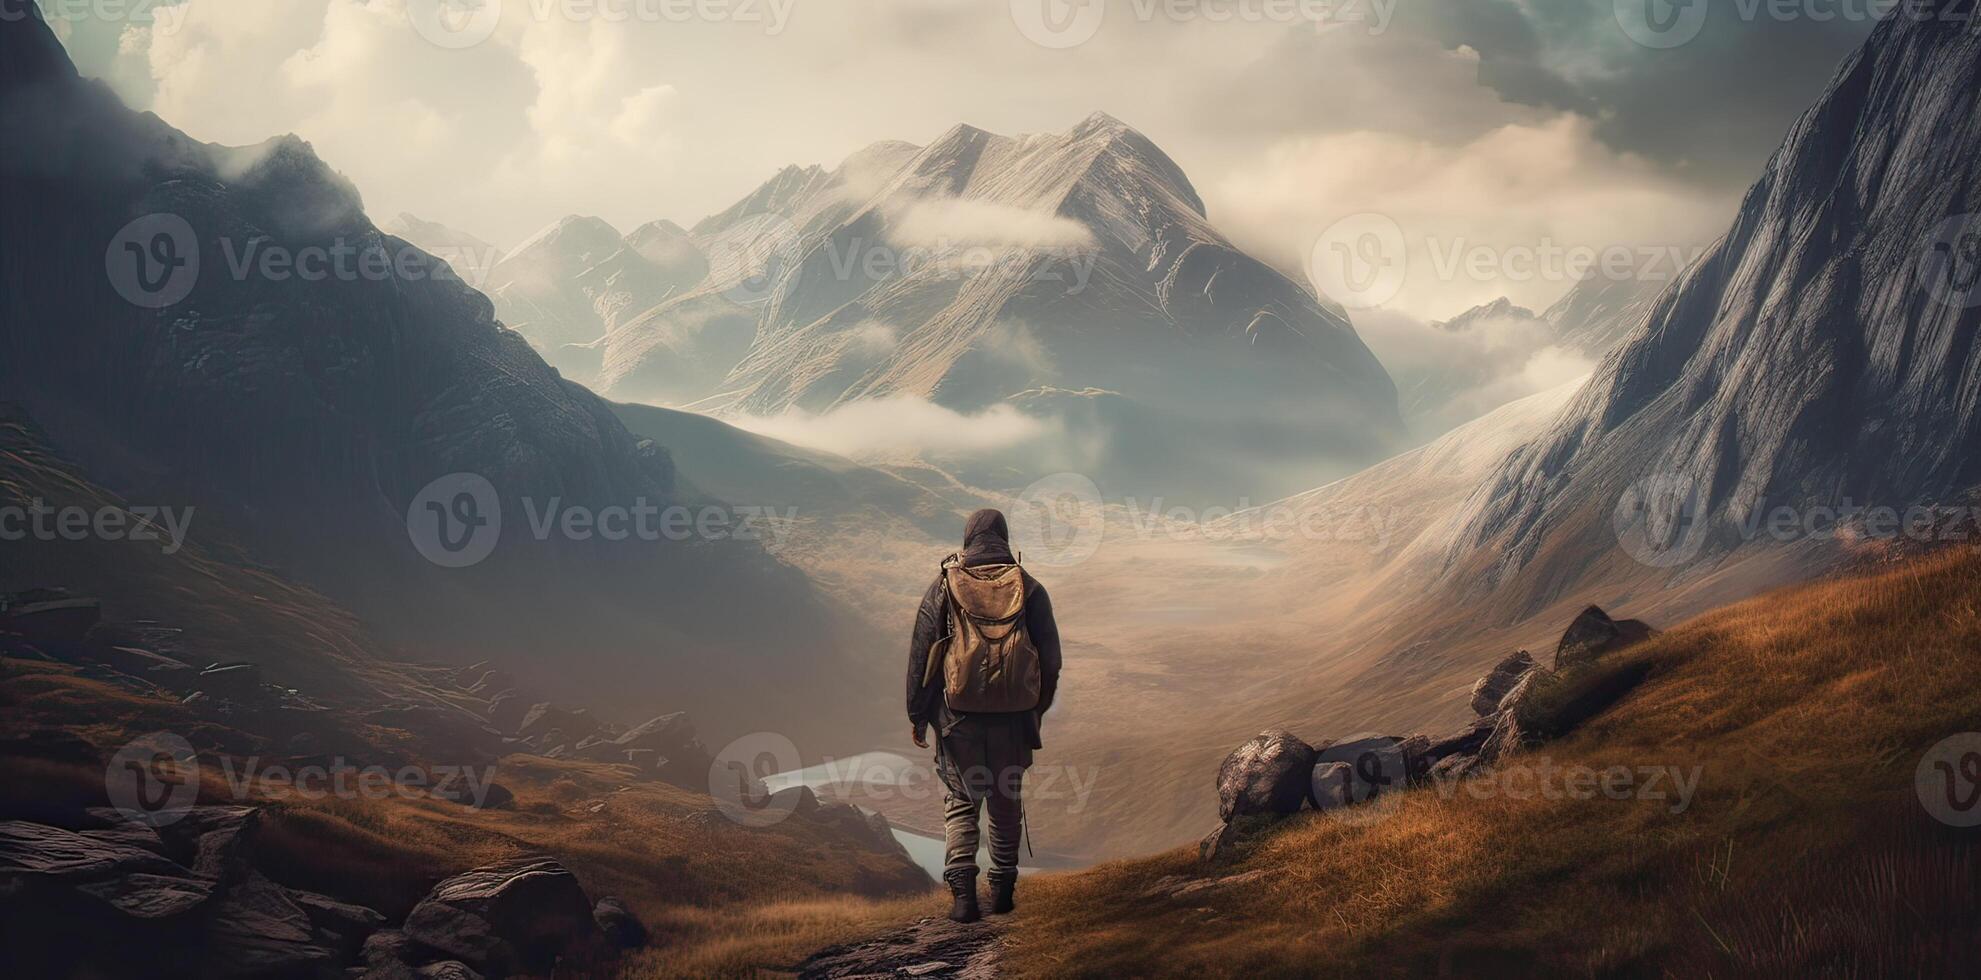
<point x="151" y="896"/>
<point x="49" y="615"/>
<point x="544" y="717"/>
<point x="257" y="931"/>
<point x="931" y="947"/>
<point x="512" y="916"/>
<point x="1376" y="765"/>
<point x="1492" y="688"/>
<point x="235" y="682"/>
<point x="33" y="850"/>
<point x="1270" y="773"/>
<point x="1334" y="786"/>
<point x="1594" y="633"/>
<point x="618" y="924"/>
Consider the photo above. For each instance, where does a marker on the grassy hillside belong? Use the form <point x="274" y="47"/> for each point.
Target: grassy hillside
<point x="1804" y="851"/>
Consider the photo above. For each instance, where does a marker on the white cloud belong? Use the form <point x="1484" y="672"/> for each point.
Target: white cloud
<point x="964" y="222"/>
<point x="1504" y="214"/>
<point x="901" y="426"/>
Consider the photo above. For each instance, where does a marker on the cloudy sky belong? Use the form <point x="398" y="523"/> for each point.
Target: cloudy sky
<point x="1516" y="128"/>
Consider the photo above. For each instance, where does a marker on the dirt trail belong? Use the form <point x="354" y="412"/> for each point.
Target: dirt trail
<point x="930" y="948"/>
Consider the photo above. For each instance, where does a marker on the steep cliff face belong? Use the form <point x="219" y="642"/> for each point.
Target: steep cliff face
<point x="183" y="360"/>
<point x="1824" y="352"/>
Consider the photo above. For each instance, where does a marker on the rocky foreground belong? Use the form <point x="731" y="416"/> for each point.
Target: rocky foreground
<point x="1519" y="702"/>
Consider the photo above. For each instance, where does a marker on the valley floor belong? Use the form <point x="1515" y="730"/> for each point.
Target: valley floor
<point x="1767" y="803"/>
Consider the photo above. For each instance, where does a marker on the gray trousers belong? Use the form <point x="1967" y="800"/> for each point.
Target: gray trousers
<point x="982" y="766"/>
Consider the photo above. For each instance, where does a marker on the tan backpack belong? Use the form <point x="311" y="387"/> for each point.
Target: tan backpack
<point x="987" y="659"/>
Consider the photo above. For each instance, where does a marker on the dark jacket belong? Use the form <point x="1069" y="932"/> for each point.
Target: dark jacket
<point x="985" y="543"/>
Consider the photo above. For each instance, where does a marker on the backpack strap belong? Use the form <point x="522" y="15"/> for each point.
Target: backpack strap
<point x="939" y="649"/>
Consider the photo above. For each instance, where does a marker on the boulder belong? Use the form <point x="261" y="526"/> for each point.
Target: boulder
<point x="1492" y="688"/>
<point x="1376" y="765"/>
<point x="1594" y="633"/>
<point x="667" y="732"/>
<point x="506" y="711"/>
<point x="446" y="970"/>
<point x="1453" y="767"/>
<point x="618" y="924"/>
<point x="1334" y="786"/>
<point x="49" y="615"/>
<point x="235" y="682"/>
<point x="798" y="800"/>
<point x="143" y="895"/>
<point x="1270" y="773"/>
<point x="1226" y="841"/>
<point x="512" y="916"/>
<point x="258" y="931"/>
<point x="33" y="851"/>
<point x="544" y="718"/>
<point x="1465" y="741"/>
<point x="1507" y="738"/>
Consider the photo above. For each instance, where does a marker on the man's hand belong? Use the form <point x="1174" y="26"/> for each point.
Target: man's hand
<point x="920" y="734"/>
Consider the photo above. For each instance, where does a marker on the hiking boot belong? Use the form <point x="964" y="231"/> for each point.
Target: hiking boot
<point x="1001" y="889"/>
<point x="963" y="887"/>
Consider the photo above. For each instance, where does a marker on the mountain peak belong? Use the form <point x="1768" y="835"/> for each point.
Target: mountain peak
<point x="29" y="51"/>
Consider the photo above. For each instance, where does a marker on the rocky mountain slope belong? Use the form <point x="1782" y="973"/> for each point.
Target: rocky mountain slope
<point x="578" y="280"/>
<point x="1697" y="824"/>
<point x="982" y="267"/>
<point x="307" y="413"/>
<point x="1822" y="353"/>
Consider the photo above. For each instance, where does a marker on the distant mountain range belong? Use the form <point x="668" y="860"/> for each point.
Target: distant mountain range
<point x="1039" y="272"/>
<point x="307" y="414"/>
<point x="1822" y="354"/>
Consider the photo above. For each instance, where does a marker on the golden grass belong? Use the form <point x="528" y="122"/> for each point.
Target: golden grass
<point x="1804" y="851"/>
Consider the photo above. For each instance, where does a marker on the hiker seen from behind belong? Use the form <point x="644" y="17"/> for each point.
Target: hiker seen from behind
<point x="983" y="665"/>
